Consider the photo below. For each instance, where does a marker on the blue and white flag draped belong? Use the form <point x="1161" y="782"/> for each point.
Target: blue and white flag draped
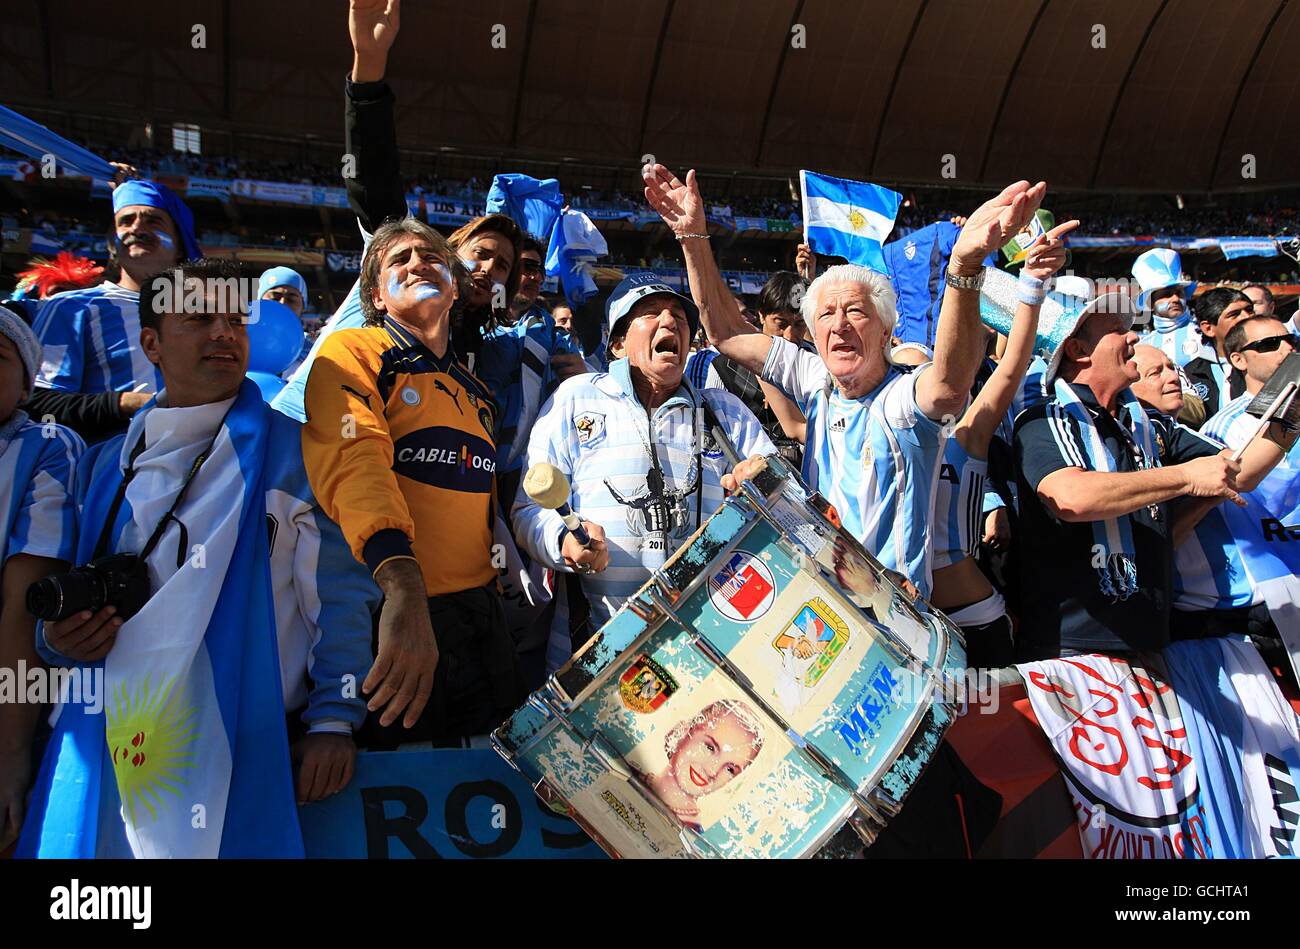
<point x="1117" y="575"/>
<point x="188" y="757"/>
<point x="35" y="141"/>
<point x="1242" y="735"/>
<point x="575" y="245"/>
<point x="849" y="219"/>
<point x="534" y="205"/>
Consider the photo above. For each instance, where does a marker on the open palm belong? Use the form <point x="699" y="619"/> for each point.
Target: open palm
<point x="677" y="202"/>
<point x="995" y="222"/>
<point x="373" y="25"/>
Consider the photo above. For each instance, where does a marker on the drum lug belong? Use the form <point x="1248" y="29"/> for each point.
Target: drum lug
<point x="866" y="829"/>
<point x="885" y="801"/>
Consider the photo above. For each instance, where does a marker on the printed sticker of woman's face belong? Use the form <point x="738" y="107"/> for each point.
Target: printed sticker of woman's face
<point x="705" y="753"/>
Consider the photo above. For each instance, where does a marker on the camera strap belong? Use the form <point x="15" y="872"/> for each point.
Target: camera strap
<point x="105" y="536"/>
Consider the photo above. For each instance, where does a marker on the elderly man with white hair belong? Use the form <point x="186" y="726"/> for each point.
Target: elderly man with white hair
<point x="875" y="431"/>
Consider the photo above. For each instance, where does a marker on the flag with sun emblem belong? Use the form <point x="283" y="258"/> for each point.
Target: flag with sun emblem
<point x="849" y="219"/>
<point x="188" y="756"/>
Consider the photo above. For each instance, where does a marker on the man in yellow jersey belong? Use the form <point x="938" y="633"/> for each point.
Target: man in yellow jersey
<point x="399" y="448"/>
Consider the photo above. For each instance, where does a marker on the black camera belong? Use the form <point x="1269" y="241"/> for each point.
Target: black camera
<point x="119" y="580"/>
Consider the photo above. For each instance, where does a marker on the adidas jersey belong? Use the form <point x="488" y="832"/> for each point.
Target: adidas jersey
<point x="876" y="458"/>
<point x="90" y="341"/>
<point x="958" y="505"/>
<point x="399" y="449"/>
<point x="1182" y="344"/>
<point x="38" y="465"/>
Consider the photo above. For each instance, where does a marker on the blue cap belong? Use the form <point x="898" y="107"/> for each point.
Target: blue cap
<point x="281" y="277"/>
<point x="638" y="287"/>
<point x="151" y="194"/>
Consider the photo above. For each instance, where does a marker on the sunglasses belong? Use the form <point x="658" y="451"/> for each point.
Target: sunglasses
<point x="1270" y="344"/>
<point x="531" y="266"/>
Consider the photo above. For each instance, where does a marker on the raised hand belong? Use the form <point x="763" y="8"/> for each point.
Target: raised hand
<point x="677" y="202"/>
<point x="373" y="25"/>
<point x="1046" y="255"/>
<point x="994" y="223"/>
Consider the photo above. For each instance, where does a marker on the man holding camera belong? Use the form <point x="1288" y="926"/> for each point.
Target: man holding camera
<point x="215" y="597"/>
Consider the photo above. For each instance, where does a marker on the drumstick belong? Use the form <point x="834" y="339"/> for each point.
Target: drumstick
<point x="1279" y="404"/>
<point x="548" y="486"/>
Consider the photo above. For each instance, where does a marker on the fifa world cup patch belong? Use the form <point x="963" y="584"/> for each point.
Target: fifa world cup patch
<point x="590" y="427"/>
<point x="645" y="685"/>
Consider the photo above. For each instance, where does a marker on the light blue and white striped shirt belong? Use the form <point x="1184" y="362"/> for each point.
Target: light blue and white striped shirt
<point x="958" y="505"/>
<point x="38" y="466"/>
<point x="1213" y="568"/>
<point x="876" y="459"/>
<point x="1181" y="344"/>
<point x="595" y="429"/>
<point x="91" y="342"/>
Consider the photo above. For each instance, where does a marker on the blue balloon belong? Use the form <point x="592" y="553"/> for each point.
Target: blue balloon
<point x="268" y="383"/>
<point x="275" y="337"/>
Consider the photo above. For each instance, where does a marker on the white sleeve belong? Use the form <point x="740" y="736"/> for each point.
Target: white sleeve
<point x="796" y="372"/>
<point x="900" y="407"/>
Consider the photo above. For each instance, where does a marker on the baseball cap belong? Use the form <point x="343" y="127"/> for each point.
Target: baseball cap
<point x="638" y="287"/>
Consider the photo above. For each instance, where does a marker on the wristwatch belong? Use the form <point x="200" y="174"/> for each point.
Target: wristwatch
<point x="963" y="283"/>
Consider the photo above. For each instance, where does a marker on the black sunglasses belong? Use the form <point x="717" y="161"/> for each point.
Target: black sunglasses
<point x="531" y="266"/>
<point x="1270" y="344"/>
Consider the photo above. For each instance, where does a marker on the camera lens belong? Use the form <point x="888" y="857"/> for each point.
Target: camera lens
<point x="58" y="597"/>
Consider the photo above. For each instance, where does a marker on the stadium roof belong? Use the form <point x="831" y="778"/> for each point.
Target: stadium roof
<point x="882" y="89"/>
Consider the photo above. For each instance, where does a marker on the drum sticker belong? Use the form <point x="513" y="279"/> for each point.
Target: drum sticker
<point x="744" y="589"/>
<point x="646" y="685"/>
<point x="817" y="635"/>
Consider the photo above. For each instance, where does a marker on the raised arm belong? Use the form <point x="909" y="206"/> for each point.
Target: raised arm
<point x="1045" y="257"/>
<point x="944" y="388"/>
<point x="682" y="209"/>
<point x="376" y="191"/>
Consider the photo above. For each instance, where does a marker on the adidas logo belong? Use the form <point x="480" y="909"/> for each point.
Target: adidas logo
<point x="839" y="425"/>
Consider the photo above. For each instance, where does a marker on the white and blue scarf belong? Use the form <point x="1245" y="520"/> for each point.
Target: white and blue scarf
<point x="189" y="751"/>
<point x="1112" y="538"/>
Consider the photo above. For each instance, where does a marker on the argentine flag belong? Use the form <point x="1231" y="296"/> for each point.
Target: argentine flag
<point x="848" y="219"/>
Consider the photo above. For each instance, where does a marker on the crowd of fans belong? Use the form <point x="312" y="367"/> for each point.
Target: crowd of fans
<point x="1009" y="448"/>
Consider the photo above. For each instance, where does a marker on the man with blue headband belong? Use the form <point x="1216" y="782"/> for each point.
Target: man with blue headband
<point x="94" y="375"/>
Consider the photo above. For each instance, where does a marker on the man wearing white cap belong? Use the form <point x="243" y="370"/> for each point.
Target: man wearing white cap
<point x="1165" y="292"/>
<point x="643" y="470"/>
<point x="1096" y="474"/>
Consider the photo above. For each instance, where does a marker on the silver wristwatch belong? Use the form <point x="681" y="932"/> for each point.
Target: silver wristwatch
<point x="963" y="283"/>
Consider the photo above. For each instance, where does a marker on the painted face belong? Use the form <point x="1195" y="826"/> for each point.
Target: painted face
<point x="146" y="239"/>
<point x="1158" y="384"/>
<point x="850" y="336"/>
<point x="1168" y="302"/>
<point x="415" y="284"/>
<point x="289" y="296"/>
<point x="712" y="754"/>
<point x="657" y="340"/>
<point x="489" y="258"/>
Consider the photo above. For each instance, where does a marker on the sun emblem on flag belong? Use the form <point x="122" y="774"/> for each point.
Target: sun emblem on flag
<point x="857" y="220"/>
<point x="149" y="735"/>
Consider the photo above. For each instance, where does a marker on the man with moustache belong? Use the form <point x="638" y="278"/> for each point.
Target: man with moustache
<point x="95" y="375"/>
